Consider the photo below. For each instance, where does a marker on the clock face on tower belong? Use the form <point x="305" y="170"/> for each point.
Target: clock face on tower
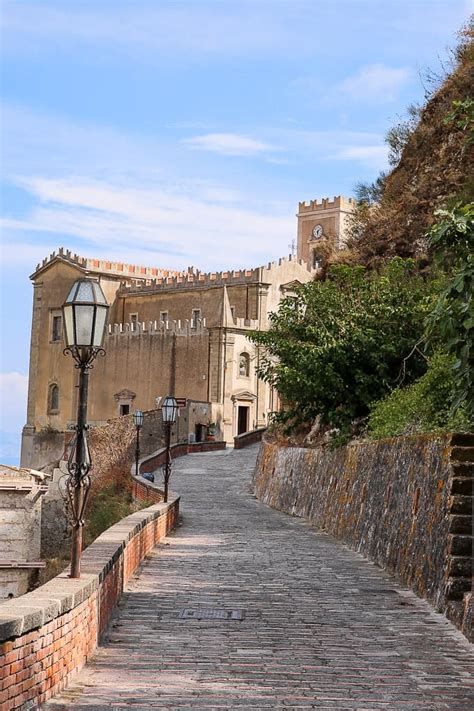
<point x="317" y="231"/>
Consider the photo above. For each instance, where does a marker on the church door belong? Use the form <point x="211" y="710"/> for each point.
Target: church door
<point x="243" y="420"/>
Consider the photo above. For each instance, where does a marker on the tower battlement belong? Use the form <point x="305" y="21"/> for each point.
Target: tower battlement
<point x="271" y="266"/>
<point x="338" y="202"/>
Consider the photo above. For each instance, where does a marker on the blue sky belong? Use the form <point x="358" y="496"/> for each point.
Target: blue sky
<point x="177" y="133"/>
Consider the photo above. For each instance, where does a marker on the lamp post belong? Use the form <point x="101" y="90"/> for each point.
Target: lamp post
<point x="169" y="411"/>
<point x="84" y="316"/>
<point x="138" y="420"/>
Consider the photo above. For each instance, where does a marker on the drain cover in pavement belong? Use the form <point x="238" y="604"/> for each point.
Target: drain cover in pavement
<point x="210" y="613"/>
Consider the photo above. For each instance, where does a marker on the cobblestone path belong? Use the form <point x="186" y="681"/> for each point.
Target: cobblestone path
<point x="323" y="628"/>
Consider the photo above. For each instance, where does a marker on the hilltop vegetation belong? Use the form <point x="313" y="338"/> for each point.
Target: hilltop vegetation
<point x="432" y="167"/>
<point x="382" y="344"/>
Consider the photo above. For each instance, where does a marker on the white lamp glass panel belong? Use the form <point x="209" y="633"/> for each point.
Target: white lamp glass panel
<point x="72" y="292"/>
<point x="85" y="292"/>
<point x="99" y="326"/>
<point x="169" y="409"/>
<point x="84" y="318"/>
<point x="138" y="416"/>
<point x="99" y="294"/>
<point x="68" y="325"/>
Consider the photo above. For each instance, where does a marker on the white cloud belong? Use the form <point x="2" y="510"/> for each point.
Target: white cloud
<point x="175" y="229"/>
<point x="13" y="395"/>
<point x="373" y="156"/>
<point x="229" y="144"/>
<point x="149" y="29"/>
<point x="374" y="82"/>
<point x="81" y="195"/>
<point x="362" y="148"/>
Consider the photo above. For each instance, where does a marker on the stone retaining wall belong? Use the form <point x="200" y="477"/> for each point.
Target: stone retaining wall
<point x="248" y="438"/>
<point x="405" y="503"/>
<point x="47" y="635"/>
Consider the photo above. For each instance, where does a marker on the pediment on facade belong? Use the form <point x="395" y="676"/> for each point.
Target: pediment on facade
<point x="291" y="285"/>
<point x="125" y="395"/>
<point x="54" y="261"/>
<point x="243" y="395"/>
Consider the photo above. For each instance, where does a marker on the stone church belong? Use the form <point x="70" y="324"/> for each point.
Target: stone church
<point x="169" y="332"/>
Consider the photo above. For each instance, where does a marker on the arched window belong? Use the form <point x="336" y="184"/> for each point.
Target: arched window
<point x="53" y="398"/>
<point x="244" y="364"/>
<point x="317" y="260"/>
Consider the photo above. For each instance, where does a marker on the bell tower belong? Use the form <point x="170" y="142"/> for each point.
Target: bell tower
<point x="322" y="227"/>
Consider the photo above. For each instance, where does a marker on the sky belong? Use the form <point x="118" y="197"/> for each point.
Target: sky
<point x="184" y="132"/>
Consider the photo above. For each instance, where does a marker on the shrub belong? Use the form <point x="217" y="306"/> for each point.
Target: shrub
<point x="107" y="507"/>
<point x="424" y="406"/>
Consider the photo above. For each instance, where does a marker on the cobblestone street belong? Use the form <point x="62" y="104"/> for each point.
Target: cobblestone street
<point x="322" y="627"/>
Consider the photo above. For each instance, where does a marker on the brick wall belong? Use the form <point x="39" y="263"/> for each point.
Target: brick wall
<point x="48" y="635"/>
<point x="405" y="503"/>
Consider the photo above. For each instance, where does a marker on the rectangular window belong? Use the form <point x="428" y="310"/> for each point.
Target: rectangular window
<point x="163" y="316"/>
<point x="56" y="328"/>
<point x="196" y="317"/>
<point x="232" y="311"/>
<point x="134" y="322"/>
<point x="124" y="409"/>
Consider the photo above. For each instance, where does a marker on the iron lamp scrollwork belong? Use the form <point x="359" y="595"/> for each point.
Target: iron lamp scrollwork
<point x="85" y="318"/>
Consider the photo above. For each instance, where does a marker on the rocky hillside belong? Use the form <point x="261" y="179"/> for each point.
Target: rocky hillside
<point x="435" y="167"/>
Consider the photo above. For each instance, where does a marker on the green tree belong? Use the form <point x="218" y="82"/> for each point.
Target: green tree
<point x="450" y="322"/>
<point x="342" y="343"/>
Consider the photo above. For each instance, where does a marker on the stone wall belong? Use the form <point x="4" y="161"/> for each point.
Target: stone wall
<point x="21" y="492"/>
<point x="47" y="635"/>
<point x="405" y="503"/>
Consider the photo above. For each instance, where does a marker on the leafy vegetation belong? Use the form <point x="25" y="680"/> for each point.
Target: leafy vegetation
<point x="108" y="506"/>
<point x="110" y="499"/>
<point x="423" y="406"/>
<point x="343" y="342"/>
<point x="462" y="115"/>
<point x="450" y="324"/>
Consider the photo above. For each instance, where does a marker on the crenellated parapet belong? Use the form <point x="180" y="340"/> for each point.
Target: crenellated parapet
<point x="180" y="327"/>
<point x="192" y="280"/>
<point x="195" y="279"/>
<point x="185" y="327"/>
<point x="339" y="202"/>
<point x="103" y="266"/>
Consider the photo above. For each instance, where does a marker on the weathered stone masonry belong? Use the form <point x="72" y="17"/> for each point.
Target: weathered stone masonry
<point x="405" y="503"/>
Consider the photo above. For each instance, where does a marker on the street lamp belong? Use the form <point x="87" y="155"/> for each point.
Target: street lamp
<point x="169" y="411"/>
<point x="84" y="316"/>
<point x="138" y="420"/>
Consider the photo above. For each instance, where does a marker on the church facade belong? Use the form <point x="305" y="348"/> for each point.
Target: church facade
<point x="179" y="333"/>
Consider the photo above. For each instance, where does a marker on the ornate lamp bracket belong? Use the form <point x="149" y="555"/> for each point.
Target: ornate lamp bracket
<point x="84" y="357"/>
